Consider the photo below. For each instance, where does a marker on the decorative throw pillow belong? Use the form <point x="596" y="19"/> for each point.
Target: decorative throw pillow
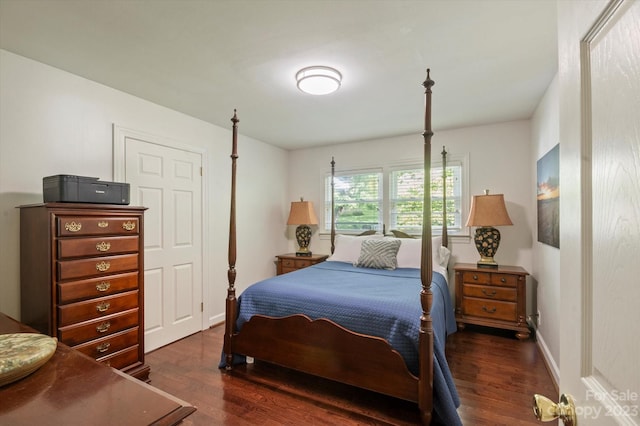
<point x="348" y="247"/>
<point x="379" y="254"/>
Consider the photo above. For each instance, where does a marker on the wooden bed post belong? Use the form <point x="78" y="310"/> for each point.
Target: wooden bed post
<point x="425" y="389"/>
<point x="445" y="234"/>
<point x="232" y="303"/>
<point x="333" y="205"/>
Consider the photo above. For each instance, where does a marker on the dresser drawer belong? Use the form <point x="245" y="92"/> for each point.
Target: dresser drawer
<point x="70" y="269"/>
<point x="121" y="359"/>
<point x="77" y="247"/>
<point x="476" y="277"/>
<point x="85" y="225"/>
<point x="493" y="309"/>
<point x="110" y="344"/>
<point x="74" y="291"/>
<point x="490" y="292"/>
<point x="79" y="333"/>
<point x="287" y="270"/>
<point x="96" y="308"/>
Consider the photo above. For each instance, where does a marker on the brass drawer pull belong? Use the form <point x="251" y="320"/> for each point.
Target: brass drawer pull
<point x="103" y="327"/>
<point x="489" y="311"/>
<point x="103" y="286"/>
<point x="475" y="277"/>
<point x="103" y="246"/>
<point x="103" y="266"/>
<point x="503" y="280"/>
<point x="73" y="226"/>
<point x="484" y="291"/>
<point x="103" y="224"/>
<point x="103" y="307"/>
<point x="129" y="226"/>
<point x="103" y="347"/>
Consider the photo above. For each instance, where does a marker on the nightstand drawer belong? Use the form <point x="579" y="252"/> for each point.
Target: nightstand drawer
<point x="476" y="277"/>
<point x="493" y="309"/>
<point x="504" y="280"/>
<point x="302" y="263"/>
<point x="490" y="292"/>
<point x="286" y="263"/>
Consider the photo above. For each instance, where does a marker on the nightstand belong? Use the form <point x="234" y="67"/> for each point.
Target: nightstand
<point x="492" y="297"/>
<point x="290" y="262"/>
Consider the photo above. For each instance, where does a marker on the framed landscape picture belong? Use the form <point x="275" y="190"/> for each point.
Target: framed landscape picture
<point x="548" y="194"/>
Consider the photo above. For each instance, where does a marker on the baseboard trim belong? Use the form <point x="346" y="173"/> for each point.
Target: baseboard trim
<point x="549" y="362"/>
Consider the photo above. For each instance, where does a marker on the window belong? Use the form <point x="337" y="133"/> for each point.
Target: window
<point x="406" y="192"/>
<point x="358" y="201"/>
<point x="363" y="203"/>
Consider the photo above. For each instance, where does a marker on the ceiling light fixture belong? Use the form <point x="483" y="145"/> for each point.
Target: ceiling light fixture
<point x="318" y="80"/>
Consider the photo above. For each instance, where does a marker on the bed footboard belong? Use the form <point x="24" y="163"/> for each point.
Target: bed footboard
<point x="324" y="348"/>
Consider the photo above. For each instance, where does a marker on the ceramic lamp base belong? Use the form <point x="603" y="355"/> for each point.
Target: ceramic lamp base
<point x="303" y="235"/>
<point x="487" y="240"/>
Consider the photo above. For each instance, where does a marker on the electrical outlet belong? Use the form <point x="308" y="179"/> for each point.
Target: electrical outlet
<point x="539" y="318"/>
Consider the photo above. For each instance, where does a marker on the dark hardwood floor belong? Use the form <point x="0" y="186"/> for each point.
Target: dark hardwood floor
<point x="496" y="376"/>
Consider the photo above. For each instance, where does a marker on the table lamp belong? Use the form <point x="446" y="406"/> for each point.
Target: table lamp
<point x="488" y="211"/>
<point x="302" y="214"/>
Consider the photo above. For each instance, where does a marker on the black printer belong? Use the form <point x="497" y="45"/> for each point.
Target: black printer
<point x="83" y="189"/>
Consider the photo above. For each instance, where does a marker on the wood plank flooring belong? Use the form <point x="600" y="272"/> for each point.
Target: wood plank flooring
<point x="495" y="374"/>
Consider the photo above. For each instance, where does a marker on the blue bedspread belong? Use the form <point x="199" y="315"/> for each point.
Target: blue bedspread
<point x="375" y="302"/>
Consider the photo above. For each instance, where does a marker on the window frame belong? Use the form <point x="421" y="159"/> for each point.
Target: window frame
<point x="459" y="230"/>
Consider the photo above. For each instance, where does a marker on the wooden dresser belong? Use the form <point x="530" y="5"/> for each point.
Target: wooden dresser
<point x="290" y="262"/>
<point x="73" y="389"/>
<point x="82" y="279"/>
<point x="492" y="297"/>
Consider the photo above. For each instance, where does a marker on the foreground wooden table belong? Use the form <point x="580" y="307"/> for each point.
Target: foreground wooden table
<point x="73" y="389"/>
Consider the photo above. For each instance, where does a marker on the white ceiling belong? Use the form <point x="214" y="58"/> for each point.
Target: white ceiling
<point x="491" y="60"/>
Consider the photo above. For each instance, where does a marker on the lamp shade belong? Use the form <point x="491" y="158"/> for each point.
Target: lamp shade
<point x="488" y="210"/>
<point x="302" y="214"/>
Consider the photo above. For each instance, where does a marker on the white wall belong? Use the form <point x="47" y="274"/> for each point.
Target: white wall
<point x="545" y="128"/>
<point x="53" y="122"/>
<point x="499" y="159"/>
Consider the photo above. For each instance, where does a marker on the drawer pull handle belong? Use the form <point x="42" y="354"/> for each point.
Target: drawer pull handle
<point x="103" y="224"/>
<point x="503" y="280"/>
<point x="103" y="266"/>
<point x="103" y="286"/>
<point x="486" y="293"/>
<point x="129" y="226"/>
<point x="102" y="348"/>
<point x="475" y="277"/>
<point x="489" y="311"/>
<point x="103" y="327"/>
<point x="73" y="226"/>
<point x="103" y="246"/>
<point x="103" y="307"/>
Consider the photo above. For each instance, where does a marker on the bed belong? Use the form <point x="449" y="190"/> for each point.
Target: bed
<point x="379" y="329"/>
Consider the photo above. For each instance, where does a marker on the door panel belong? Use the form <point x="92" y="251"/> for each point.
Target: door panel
<point x="167" y="180"/>
<point x="600" y="262"/>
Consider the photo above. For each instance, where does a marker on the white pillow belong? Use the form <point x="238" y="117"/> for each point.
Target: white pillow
<point x="410" y="253"/>
<point x="348" y="247"/>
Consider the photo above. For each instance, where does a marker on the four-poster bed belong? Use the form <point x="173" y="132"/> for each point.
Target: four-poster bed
<point x="338" y="326"/>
